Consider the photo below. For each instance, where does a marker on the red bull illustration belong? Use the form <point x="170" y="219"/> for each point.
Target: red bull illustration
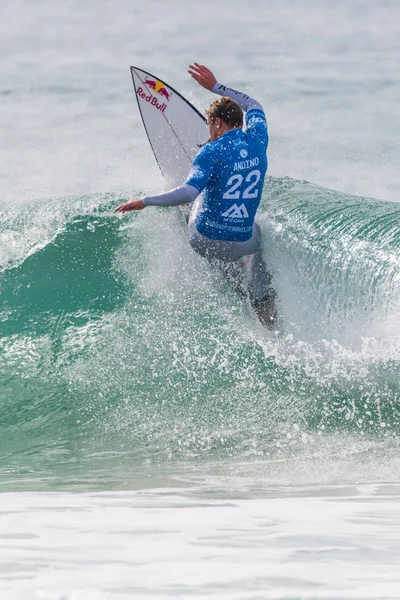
<point x="158" y="87"/>
<point x="163" y="92"/>
<point x="150" y="83"/>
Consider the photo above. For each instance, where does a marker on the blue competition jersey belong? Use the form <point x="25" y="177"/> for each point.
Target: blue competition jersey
<point x="231" y="172"/>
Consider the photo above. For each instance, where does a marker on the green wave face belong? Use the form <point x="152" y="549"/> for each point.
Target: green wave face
<point x="123" y="352"/>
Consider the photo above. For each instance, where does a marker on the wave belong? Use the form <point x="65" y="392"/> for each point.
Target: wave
<point x="120" y="346"/>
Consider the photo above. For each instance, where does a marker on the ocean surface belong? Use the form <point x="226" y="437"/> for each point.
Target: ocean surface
<point x="155" y="440"/>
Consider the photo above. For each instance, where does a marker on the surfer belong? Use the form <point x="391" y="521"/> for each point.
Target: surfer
<point x="230" y="170"/>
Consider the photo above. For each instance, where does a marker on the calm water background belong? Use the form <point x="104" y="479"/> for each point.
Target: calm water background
<point x="155" y="441"/>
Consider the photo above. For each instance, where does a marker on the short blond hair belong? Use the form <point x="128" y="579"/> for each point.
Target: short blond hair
<point x="226" y="109"/>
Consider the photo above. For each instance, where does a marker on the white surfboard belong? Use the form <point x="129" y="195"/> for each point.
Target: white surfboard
<point x="175" y="128"/>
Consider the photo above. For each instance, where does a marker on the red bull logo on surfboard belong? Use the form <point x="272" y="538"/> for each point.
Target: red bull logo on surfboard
<point x="151" y="99"/>
<point x="158" y="87"/>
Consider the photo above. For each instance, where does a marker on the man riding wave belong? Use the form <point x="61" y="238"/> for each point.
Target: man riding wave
<point x="230" y="171"/>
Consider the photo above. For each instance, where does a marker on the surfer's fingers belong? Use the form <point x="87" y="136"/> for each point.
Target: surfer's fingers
<point x="205" y="70"/>
<point x="204" y="78"/>
<point x="124" y="207"/>
<point x="195" y="76"/>
<point x="200" y="68"/>
<point x="193" y="69"/>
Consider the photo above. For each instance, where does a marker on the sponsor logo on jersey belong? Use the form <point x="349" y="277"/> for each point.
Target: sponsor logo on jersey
<point x="254" y="120"/>
<point x="158" y="87"/>
<point x="151" y="100"/>
<point x="236" y="212"/>
<point x="228" y="89"/>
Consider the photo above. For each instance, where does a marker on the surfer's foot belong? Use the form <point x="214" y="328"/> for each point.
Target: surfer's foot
<point x="265" y="309"/>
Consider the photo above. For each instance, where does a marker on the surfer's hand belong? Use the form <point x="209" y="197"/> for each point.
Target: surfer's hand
<point x="202" y="75"/>
<point x="132" y="205"/>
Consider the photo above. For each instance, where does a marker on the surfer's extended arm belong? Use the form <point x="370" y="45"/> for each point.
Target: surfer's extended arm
<point x="180" y="195"/>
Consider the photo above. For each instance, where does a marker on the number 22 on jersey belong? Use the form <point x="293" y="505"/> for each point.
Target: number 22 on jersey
<point x="234" y="191"/>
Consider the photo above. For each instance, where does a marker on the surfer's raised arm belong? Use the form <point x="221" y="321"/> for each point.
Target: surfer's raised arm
<point x="207" y="79"/>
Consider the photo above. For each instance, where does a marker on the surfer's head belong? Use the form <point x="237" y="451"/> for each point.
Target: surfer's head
<point x="222" y="115"/>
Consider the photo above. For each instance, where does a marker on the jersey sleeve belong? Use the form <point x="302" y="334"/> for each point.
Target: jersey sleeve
<point x="180" y="195"/>
<point x="256" y="122"/>
<point x="202" y="169"/>
<point x="245" y="102"/>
